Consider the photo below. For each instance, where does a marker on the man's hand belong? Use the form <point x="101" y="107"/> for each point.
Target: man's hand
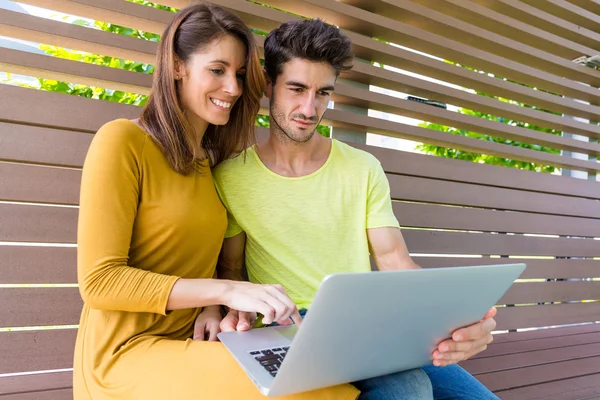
<point x="466" y="342"/>
<point x="237" y="321"/>
<point x="207" y="322"/>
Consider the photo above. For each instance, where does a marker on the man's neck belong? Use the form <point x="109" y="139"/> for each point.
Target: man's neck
<point x="292" y="159"/>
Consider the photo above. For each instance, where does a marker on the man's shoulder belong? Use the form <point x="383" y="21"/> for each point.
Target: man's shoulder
<point x="234" y="167"/>
<point x="355" y="158"/>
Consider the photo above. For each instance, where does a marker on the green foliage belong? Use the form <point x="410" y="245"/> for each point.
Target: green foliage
<point x="97" y="59"/>
<point x="488" y="159"/>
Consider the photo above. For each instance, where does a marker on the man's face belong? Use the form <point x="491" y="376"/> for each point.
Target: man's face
<point x="299" y="98"/>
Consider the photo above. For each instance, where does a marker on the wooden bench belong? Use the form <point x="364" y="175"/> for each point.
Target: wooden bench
<point x="447" y="207"/>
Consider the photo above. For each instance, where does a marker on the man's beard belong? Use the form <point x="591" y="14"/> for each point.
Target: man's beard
<point x="286" y="133"/>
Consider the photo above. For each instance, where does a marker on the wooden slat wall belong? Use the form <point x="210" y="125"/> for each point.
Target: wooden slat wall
<point x="477" y="213"/>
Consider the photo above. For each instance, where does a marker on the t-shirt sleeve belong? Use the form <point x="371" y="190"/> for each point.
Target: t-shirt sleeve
<point x="233" y="228"/>
<point x="379" y="202"/>
<point x="110" y="189"/>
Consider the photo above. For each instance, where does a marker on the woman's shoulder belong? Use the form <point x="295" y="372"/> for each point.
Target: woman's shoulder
<point x="121" y="133"/>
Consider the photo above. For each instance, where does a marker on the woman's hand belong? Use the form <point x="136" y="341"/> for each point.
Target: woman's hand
<point x="207" y="323"/>
<point x="270" y="300"/>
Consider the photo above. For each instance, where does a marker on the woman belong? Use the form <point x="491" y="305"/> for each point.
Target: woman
<point x="151" y="225"/>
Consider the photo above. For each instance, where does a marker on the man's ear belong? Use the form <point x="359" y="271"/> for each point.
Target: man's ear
<point x="269" y="88"/>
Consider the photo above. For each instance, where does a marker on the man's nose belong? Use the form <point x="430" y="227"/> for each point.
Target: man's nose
<point x="308" y="107"/>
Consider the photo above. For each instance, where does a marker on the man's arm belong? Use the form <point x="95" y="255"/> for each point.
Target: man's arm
<point x="231" y="259"/>
<point x="231" y="266"/>
<point x="389" y="250"/>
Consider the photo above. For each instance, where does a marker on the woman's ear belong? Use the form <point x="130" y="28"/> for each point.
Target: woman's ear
<point x="178" y="70"/>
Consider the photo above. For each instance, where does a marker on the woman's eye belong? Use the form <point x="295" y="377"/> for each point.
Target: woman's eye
<point x="241" y="76"/>
<point x="217" y="71"/>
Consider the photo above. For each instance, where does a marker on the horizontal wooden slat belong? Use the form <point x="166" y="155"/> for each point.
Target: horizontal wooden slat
<point x="367" y="74"/>
<point x="35" y="382"/>
<point x="42" y="350"/>
<point x="568" y="12"/>
<point x="546" y="315"/>
<point x="364" y="22"/>
<point x="39" y="145"/>
<point x="148" y="19"/>
<point x="364" y="98"/>
<point x="29" y="264"/>
<point x="28" y="106"/>
<point x="541" y="342"/>
<point x="363" y="123"/>
<point x="40" y="184"/>
<point x="463" y="171"/>
<point x="407" y="188"/>
<point x="577" y="388"/>
<point x="443" y="217"/>
<point x="39" y="306"/>
<point x="60" y="394"/>
<point x="473" y="14"/>
<point x="538" y="292"/>
<point x="539" y="374"/>
<point x="592" y="6"/>
<point x="429" y="16"/>
<point x="31" y="223"/>
<point x="41" y="66"/>
<point x="436" y="242"/>
<point x="534" y="335"/>
<point x="35" y="29"/>
<point x="555" y="268"/>
<point x="543" y="20"/>
<point x="520" y="360"/>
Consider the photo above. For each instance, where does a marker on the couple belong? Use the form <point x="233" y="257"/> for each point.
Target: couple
<point x="167" y="208"/>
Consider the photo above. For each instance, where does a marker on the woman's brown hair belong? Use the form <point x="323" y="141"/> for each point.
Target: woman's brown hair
<point x="193" y="29"/>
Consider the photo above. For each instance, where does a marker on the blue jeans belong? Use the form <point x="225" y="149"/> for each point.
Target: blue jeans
<point x="429" y="382"/>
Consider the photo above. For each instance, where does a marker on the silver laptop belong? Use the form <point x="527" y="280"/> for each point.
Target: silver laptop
<point x="362" y="325"/>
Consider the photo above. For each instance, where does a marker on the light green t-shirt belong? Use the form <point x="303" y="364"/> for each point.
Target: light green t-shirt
<point x="301" y="229"/>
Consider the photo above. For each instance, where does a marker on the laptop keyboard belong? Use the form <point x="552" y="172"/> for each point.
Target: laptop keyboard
<point x="270" y="359"/>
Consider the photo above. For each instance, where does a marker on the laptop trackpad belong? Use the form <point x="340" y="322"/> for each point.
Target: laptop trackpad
<point x="287" y="331"/>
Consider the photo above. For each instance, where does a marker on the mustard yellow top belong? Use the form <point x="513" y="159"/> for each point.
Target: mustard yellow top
<point x="141" y="226"/>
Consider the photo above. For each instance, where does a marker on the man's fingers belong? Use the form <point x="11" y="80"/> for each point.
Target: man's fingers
<point x="213" y="330"/>
<point x="449" y="346"/>
<point x="199" y="332"/>
<point x="475" y="331"/>
<point x="491" y="313"/>
<point x="244" y="321"/>
<point x="229" y="323"/>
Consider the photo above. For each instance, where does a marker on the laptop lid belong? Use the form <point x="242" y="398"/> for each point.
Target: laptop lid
<point x="363" y="325"/>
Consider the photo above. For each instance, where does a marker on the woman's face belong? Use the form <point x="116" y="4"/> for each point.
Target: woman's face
<point x="212" y="81"/>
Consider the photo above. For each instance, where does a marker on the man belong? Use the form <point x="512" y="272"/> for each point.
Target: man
<point x="302" y="206"/>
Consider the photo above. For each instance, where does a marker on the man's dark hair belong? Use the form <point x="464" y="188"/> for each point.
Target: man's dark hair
<point x="312" y="40"/>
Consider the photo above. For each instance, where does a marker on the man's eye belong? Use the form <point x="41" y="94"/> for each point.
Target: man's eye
<point x="324" y="93"/>
<point x="297" y="90"/>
